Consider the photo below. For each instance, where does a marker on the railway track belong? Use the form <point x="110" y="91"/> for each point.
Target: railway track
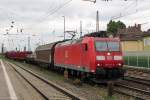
<point x="139" y="73"/>
<point x="138" y="80"/>
<point x="135" y="87"/>
<point x="47" y="89"/>
<point x="130" y="94"/>
<point x="120" y="88"/>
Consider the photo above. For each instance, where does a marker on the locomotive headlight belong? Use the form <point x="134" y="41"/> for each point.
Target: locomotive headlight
<point x="119" y="64"/>
<point x="117" y="57"/>
<point x="100" y="57"/>
<point x="98" y="64"/>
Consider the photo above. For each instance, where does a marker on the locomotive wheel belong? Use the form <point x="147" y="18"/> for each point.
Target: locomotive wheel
<point x="66" y="74"/>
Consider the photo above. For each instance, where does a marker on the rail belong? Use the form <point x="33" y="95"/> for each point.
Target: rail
<point x="131" y="90"/>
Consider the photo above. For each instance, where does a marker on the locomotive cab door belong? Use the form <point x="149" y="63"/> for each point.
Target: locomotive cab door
<point x="84" y="56"/>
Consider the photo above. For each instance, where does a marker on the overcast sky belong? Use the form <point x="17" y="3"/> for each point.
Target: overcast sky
<point x="42" y="19"/>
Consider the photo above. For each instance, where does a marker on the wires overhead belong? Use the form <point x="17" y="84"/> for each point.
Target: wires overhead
<point x="130" y="9"/>
<point x="60" y="7"/>
<point x="126" y="8"/>
<point x="49" y="13"/>
<point x="133" y="4"/>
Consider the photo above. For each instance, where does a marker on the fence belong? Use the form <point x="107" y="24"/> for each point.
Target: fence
<point x="139" y="59"/>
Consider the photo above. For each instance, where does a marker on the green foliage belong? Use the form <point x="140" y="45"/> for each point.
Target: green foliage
<point x="112" y="27"/>
<point x="1" y="56"/>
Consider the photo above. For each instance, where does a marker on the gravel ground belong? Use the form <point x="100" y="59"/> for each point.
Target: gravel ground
<point x="96" y="92"/>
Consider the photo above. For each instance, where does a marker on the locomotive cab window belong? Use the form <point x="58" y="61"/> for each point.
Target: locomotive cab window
<point x="101" y="46"/>
<point x="107" y="46"/>
<point x="113" y="46"/>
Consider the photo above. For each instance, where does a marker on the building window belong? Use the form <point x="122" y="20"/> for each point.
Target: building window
<point x="147" y="42"/>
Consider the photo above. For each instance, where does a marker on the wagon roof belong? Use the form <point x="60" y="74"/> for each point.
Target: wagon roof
<point x="48" y="46"/>
<point x="45" y="47"/>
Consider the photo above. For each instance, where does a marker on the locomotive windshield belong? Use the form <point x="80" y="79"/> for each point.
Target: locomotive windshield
<point x="101" y="46"/>
<point x="113" y="46"/>
<point x="107" y="46"/>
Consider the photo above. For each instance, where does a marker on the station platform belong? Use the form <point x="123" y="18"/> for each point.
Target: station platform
<point x="6" y="88"/>
<point x="14" y="87"/>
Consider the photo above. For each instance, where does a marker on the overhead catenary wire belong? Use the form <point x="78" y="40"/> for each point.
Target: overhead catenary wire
<point x="126" y="8"/>
<point x="135" y="8"/>
<point x="51" y="8"/>
<point x="52" y="12"/>
<point x="42" y="19"/>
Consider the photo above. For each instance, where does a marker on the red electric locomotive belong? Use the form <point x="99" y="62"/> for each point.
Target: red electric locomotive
<point x="93" y="55"/>
<point x="101" y="57"/>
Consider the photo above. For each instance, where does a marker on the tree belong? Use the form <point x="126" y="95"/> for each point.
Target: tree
<point x="112" y="27"/>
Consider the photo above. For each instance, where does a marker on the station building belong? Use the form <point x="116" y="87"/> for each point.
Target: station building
<point x="134" y="39"/>
<point x="146" y="40"/>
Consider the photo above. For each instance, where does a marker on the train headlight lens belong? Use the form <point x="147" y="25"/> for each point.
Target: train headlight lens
<point x="117" y="57"/>
<point x="98" y="64"/>
<point x="108" y="53"/>
<point x="119" y="64"/>
<point x="100" y="57"/>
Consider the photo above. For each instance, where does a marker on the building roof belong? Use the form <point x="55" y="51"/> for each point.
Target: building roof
<point x="132" y="33"/>
<point x="146" y="34"/>
<point x="50" y="45"/>
<point x="134" y="37"/>
<point x="131" y="37"/>
<point x="45" y="47"/>
<point x="130" y="30"/>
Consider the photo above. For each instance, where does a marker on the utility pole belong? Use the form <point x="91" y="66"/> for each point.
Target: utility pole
<point x="64" y="27"/>
<point x="2" y="48"/>
<point x="19" y="47"/>
<point x="97" y="21"/>
<point x="29" y="49"/>
<point x="80" y="28"/>
<point x="24" y="48"/>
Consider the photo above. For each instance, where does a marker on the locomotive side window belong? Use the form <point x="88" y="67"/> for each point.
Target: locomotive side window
<point x="85" y="47"/>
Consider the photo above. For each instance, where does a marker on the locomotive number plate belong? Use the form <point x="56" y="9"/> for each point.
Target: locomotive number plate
<point x="109" y="57"/>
